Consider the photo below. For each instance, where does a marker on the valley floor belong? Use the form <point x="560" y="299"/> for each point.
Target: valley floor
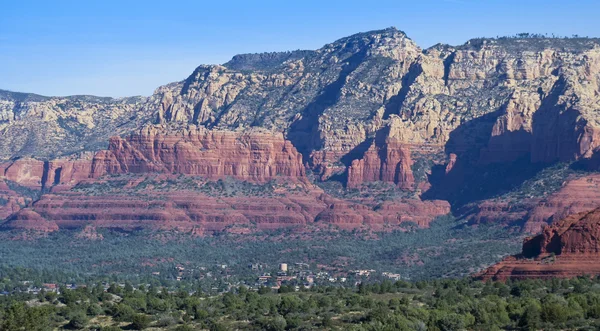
<point x="448" y="248"/>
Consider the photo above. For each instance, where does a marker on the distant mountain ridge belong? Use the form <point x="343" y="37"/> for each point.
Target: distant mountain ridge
<point x="264" y="61"/>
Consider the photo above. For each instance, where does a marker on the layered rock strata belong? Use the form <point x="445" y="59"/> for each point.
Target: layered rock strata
<point x="196" y="180"/>
<point x="186" y="204"/>
<point x="253" y="156"/>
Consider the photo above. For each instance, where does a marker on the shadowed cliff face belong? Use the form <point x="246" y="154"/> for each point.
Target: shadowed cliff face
<point x="463" y="124"/>
<point x="475" y="174"/>
<point x="501" y="101"/>
<point x="303" y="132"/>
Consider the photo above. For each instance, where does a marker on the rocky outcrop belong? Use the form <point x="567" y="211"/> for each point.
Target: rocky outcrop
<point x="37" y="175"/>
<point x="27" y="172"/>
<point x="253" y="156"/>
<point x="29" y="220"/>
<point x="388" y="163"/>
<point x="576" y="196"/>
<point x="348" y="215"/>
<point x="568" y="248"/>
<point x="11" y="201"/>
<point x="541" y="94"/>
<point x="50" y="127"/>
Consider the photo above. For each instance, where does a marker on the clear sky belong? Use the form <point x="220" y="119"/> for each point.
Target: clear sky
<point x="123" y="48"/>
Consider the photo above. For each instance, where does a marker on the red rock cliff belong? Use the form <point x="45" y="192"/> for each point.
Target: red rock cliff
<point x="390" y="162"/>
<point x="254" y="156"/>
<point x="578" y="194"/>
<point x="154" y="156"/>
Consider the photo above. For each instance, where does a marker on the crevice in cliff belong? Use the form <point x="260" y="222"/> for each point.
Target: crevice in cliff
<point x="57" y="174"/>
<point x="382" y="149"/>
<point x="191" y="79"/>
<point x="197" y="110"/>
<point x="45" y="174"/>
<point x="447" y="66"/>
<point x="554" y="246"/>
<point x="394" y="104"/>
<point x="358" y="152"/>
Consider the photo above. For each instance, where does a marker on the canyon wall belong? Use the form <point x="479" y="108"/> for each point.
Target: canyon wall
<point x="498" y="99"/>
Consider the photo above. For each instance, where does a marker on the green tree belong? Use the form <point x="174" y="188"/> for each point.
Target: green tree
<point x="78" y="321"/>
<point x="123" y="313"/>
<point x="140" y="321"/>
<point x="276" y="323"/>
<point x="532" y="317"/>
<point x="264" y="290"/>
<point x="19" y="317"/>
<point x="554" y="309"/>
<point x="451" y="322"/>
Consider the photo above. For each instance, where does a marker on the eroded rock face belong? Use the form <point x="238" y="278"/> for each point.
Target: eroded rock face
<point x="250" y="156"/>
<point x="49" y="127"/>
<point x="348" y="215"/>
<point x="500" y="99"/>
<point x="253" y="156"/>
<point x="574" y="235"/>
<point x="568" y="248"/>
<point x="11" y="201"/>
<point x="388" y="163"/>
<point x="27" y="172"/>
<point x="29" y="220"/>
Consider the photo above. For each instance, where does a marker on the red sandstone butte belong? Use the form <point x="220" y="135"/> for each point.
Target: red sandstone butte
<point x="568" y="248"/>
<point x="390" y="162"/>
<point x="253" y="156"/>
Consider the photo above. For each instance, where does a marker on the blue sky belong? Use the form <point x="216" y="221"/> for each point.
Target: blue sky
<point x="123" y="48"/>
